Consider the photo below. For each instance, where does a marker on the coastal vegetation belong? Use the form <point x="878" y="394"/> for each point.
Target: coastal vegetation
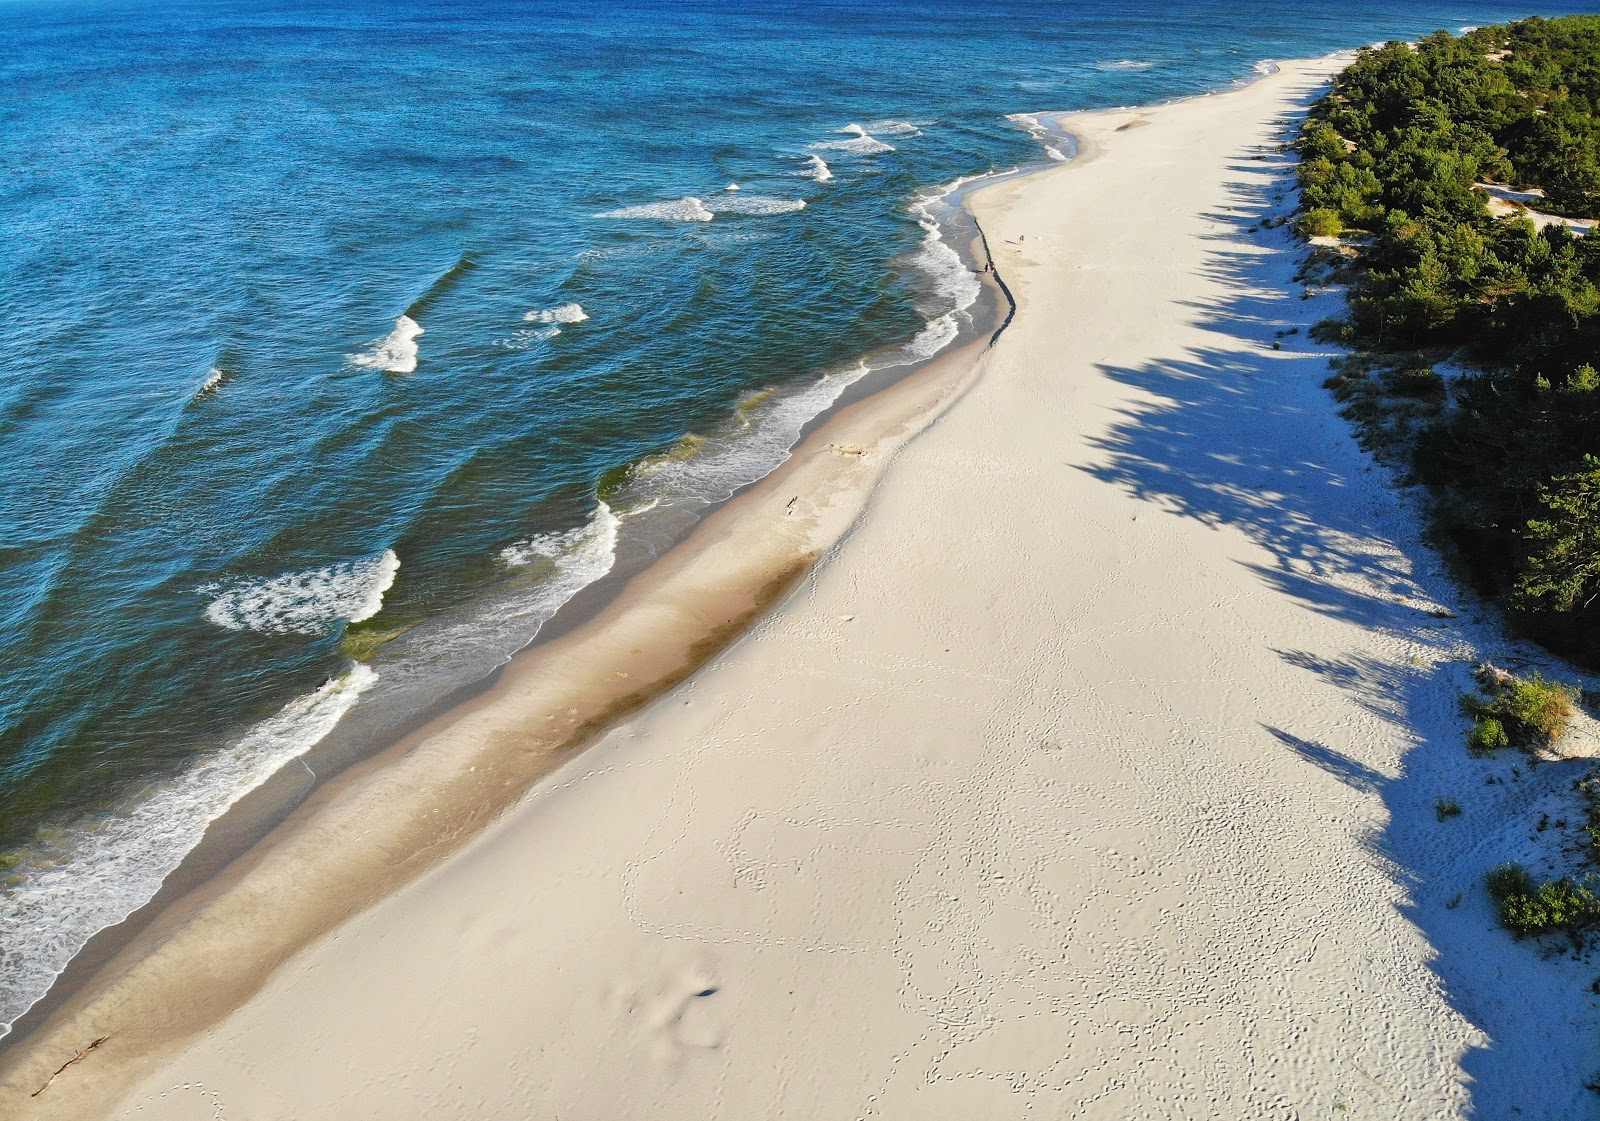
<point x="1451" y="185"/>
<point x="1511" y="711"/>
<point x="1443" y="181"/>
<point x="1530" y="909"/>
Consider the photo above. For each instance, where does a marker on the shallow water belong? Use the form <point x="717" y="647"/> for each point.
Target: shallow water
<point x="344" y="330"/>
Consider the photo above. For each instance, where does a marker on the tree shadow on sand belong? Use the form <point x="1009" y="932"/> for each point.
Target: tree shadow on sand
<point x="1243" y="435"/>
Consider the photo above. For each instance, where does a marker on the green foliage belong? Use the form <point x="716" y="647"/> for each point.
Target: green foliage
<point x="1507" y="880"/>
<point x="1446" y="808"/>
<point x="1562" y="569"/>
<point x="1321" y="221"/>
<point x="1525" y="712"/>
<point x="1554" y="906"/>
<point x="1394" y="150"/>
<point x="1487" y="735"/>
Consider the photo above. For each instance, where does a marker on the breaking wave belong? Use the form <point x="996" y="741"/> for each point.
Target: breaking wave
<point x="755" y="206"/>
<point x="395" y="353"/>
<point x="688" y="209"/>
<point x="817" y="170"/>
<point x="98" y="871"/>
<point x="304" y="602"/>
<point x="566" y="313"/>
<point x="861" y="143"/>
<point x="570" y="561"/>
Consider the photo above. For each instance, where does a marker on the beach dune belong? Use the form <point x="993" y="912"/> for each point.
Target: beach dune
<point x="1070" y="780"/>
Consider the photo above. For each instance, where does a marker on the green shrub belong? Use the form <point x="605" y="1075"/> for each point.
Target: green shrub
<point x="1445" y="808"/>
<point x="1508" y="880"/>
<point x="1555" y="906"/>
<point x="1542" y="709"/>
<point x="1423" y="383"/>
<point x="1320" y="221"/>
<point x="1525" y="712"/>
<point x="1487" y="735"/>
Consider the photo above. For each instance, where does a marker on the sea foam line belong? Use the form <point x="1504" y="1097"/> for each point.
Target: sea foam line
<point x="694" y="209"/>
<point x="101" y="869"/>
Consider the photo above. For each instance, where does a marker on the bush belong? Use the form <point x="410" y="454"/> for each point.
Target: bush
<point x="1445" y="808"/>
<point x="1421" y="382"/>
<point x="1526" y="712"/>
<point x="1508" y="880"/>
<point x="1487" y="735"/>
<point x="1555" y="906"/>
<point x="1320" y="222"/>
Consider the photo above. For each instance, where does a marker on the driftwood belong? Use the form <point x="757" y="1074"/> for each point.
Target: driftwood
<point x="68" y="1063"/>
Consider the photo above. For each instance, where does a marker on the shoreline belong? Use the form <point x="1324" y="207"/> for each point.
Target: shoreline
<point x="230" y="865"/>
<point x="874" y="418"/>
<point x="367" y="735"/>
<point x="1110" y="783"/>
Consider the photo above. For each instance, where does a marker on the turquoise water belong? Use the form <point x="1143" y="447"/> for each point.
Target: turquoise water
<point x="330" y="324"/>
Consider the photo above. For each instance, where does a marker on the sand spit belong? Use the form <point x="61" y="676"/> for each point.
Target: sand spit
<point x="1090" y="772"/>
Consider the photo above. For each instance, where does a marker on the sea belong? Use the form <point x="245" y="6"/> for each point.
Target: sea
<point x="343" y="345"/>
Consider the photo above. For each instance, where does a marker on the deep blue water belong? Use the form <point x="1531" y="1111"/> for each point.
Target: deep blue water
<point x="220" y="442"/>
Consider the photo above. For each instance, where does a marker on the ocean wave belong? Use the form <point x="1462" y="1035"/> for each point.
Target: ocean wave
<point x="443" y="283"/>
<point x="952" y="285"/>
<point x="566" y="313"/>
<point x="895" y="128"/>
<point x="701" y="470"/>
<point x="817" y="170"/>
<point x="1040" y="132"/>
<point x="755" y="206"/>
<point x="395" y="353"/>
<point x="524" y="338"/>
<point x="1124" y="64"/>
<point x="688" y="209"/>
<point x="213" y="382"/>
<point x="860" y="143"/>
<point x="94" y="874"/>
<point x="304" y="602"/>
<point x="1266" y="68"/>
<point x="570" y="561"/>
<point x="934" y="337"/>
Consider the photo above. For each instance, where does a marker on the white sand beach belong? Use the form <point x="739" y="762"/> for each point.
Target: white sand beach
<point x="1089" y="772"/>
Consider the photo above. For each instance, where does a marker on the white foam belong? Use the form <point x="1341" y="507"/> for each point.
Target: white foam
<point x="1125" y="64"/>
<point x="755" y="205"/>
<point x="954" y="286"/>
<point x="934" y="337"/>
<point x="575" y="559"/>
<point x="752" y="446"/>
<point x="688" y="209"/>
<point x="304" y="602"/>
<point x="817" y="169"/>
<point x="766" y="429"/>
<point x="396" y="353"/>
<point x="566" y="313"/>
<point x="214" y="378"/>
<point x="1266" y="68"/>
<point x="860" y="143"/>
<point x="731" y="187"/>
<point x="894" y="128"/>
<point x="1038" y="130"/>
<point x="98" y="871"/>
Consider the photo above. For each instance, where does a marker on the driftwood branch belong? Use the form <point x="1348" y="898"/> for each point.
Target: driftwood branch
<point x="68" y="1063"/>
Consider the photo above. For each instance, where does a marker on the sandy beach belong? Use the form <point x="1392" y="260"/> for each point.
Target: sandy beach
<point x="1080" y="761"/>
